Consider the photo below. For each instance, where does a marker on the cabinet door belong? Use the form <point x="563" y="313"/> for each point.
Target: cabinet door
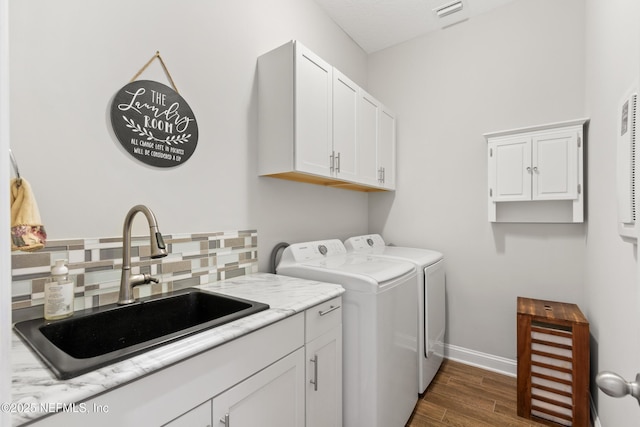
<point x="313" y="118"/>
<point x="324" y="380"/>
<point x="511" y="168"/>
<point x="345" y="116"/>
<point x="387" y="148"/>
<point x="271" y="397"/>
<point x="555" y="166"/>
<point x="368" y="139"/>
<point x="199" y="416"/>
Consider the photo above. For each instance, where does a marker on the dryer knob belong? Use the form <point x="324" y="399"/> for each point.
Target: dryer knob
<point x="370" y="241"/>
<point x="322" y="249"/>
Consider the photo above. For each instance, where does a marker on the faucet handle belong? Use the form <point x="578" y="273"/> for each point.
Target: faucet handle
<point x="149" y="278"/>
<point x="142" y="279"/>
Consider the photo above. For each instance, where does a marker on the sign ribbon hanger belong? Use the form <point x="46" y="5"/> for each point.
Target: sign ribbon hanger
<point x="156" y="56"/>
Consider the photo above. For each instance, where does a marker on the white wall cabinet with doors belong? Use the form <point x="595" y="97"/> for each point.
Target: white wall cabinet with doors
<point x="377" y="143"/>
<point x="310" y="124"/>
<point x="345" y="149"/>
<point x="386" y="170"/>
<point x="257" y="379"/>
<point x="535" y="174"/>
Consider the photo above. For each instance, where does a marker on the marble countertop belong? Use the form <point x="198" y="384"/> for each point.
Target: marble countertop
<point x="35" y="388"/>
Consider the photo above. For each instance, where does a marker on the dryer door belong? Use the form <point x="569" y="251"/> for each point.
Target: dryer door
<point x="435" y="312"/>
<point x="434" y="326"/>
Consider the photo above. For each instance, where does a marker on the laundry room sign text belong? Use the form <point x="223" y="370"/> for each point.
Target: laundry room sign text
<point x="154" y="123"/>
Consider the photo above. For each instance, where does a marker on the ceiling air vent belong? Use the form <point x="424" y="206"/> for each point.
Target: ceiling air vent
<point x="448" y="8"/>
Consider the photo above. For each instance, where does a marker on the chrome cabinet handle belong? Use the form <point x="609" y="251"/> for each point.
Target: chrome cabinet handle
<point x="314" y="381"/>
<point x="338" y="163"/>
<point x="329" y="310"/>
<point x="535" y="169"/>
<point x="529" y="169"/>
<point x="225" y="420"/>
<point x="614" y="385"/>
<point x="332" y="161"/>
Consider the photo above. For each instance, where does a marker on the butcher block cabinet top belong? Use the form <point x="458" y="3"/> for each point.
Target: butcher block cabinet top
<point x="551" y="310"/>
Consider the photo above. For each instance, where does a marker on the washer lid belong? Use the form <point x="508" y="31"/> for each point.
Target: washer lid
<point x="374" y="244"/>
<point x="378" y="269"/>
<point x="419" y="256"/>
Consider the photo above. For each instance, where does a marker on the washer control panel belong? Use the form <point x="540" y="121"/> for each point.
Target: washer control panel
<point x="316" y="250"/>
<point x="363" y="243"/>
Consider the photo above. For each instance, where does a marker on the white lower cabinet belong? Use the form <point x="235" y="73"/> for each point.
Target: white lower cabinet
<point x="272" y="397"/>
<point x="199" y="416"/>
<point x="323" y="348"/>
<point x="255" y="380"/>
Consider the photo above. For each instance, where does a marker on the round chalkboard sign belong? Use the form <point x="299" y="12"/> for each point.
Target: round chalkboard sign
<point x="154" y="123"/>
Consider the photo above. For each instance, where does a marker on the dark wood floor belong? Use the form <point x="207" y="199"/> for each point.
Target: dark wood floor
<point x="462" y="395"/>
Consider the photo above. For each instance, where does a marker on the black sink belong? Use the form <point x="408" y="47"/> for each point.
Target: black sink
<point x="97" y="337"/>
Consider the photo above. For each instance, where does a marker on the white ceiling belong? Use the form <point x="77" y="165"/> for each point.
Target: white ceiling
<point x="377" y="24"/>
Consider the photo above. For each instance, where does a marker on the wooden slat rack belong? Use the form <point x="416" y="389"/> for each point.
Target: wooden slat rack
<point x="553" y="362"/>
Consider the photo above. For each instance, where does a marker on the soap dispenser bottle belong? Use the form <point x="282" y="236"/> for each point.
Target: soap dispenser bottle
<point x="58" y="292"/>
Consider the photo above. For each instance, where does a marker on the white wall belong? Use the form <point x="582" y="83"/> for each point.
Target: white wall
<point x="69" y="57"/>
<point x="515" y="66"/>
<point x="611" y="292"/>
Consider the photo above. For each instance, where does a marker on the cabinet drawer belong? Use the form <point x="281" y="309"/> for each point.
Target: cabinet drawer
<point x="322" y="318"/>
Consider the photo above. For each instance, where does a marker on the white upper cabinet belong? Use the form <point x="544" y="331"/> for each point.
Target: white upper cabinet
<point x="310" y="124"/>
<point x="510" y="159"/>
<point x="369" y="114"/>
<point x="313" y="118"/>
<point x="345" y="136"/>
<point x="387" y="149"/>
<point x="538" y="164"/>
<point x="377" y="143"/>
<point x="555" y="166"/>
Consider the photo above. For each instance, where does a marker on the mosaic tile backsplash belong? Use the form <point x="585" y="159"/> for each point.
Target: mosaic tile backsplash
<point x="96" y="264"/>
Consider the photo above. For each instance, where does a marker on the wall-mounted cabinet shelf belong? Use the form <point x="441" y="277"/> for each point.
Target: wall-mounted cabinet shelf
<point x="535" y="174"/>
<point x="317" y="126"/>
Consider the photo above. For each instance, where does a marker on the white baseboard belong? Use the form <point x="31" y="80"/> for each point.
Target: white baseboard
<point x="498" y="364"/>
<point x="595" y="421"/>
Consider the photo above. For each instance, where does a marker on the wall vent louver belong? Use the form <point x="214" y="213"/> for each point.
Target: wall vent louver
<point x="627" y="168"/>
<point x="633" y="113"/>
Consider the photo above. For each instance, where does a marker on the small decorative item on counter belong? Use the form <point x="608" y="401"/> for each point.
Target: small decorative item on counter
<point x="58" y="292"/>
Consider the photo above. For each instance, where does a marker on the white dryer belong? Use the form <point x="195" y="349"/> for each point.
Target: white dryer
<point x="380" y="376"/>
<point x="431" y="298"/>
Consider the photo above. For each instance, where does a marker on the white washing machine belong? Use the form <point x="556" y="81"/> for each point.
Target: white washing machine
<point x="431" y="298"/>
<point x="379" y="328"/>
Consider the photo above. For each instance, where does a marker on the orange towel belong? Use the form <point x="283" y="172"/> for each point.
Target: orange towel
<point x="27" y="232"/>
